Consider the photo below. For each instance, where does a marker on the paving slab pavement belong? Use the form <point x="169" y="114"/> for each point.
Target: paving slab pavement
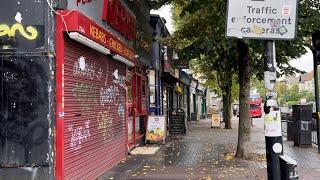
<point x="207" y="153"/>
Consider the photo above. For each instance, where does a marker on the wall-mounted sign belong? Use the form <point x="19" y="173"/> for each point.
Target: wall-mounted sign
<point x="262" y="19"/>
<point x="179" y="89"/>
<point x="181" y="63"/>
<point x="80" y="23"/>
<point x="113" y="15"/>
<point x="143" y="36"/>
<point x="119" y="18"/>
<point x="167" y="60"/>
<point x="156" y="129"/>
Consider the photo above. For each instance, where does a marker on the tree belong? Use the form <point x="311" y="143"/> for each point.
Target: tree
<point x="244" y="118"/>
<point x="200" y="35"/>
<point x="216" y="62"/>
<point x="217" y="57"/>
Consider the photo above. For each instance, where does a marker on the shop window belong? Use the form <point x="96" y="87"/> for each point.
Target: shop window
<point x="153" y="89"/>
<point x="152" y="96"/>
<point x="152" y="77"/>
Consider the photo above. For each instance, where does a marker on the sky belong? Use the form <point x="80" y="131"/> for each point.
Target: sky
<point x="165" y="12"/>
<point x="304" y="63"/>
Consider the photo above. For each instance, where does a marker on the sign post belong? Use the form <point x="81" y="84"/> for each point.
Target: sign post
<point x="272" y="118"/>
<point x="267" y="20"/>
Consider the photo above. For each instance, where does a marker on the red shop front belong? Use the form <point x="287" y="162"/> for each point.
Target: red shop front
<point x="137" y="104"/>
<point x="91" y="128"/>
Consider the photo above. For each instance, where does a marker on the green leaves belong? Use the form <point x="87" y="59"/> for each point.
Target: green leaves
<point x="201" y="23"/>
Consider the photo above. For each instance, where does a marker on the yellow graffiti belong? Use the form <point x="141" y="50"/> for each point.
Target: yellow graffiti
<point x="105" y="122"/>
<point x="31" y="33"/>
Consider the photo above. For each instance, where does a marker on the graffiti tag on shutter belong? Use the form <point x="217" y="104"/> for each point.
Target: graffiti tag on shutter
<point x="109" y="95"/>
<point x="79" y="135"/>
<point x="105" y="124"/>
<point x="86" y="95"/>
<point x="87" y="70"/>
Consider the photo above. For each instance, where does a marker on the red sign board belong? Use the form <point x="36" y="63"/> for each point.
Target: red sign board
<point x="78" y="22"/>
<point x="119" y="18"/>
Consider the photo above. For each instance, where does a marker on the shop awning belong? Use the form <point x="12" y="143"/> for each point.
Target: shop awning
<point x="169" y="78"/>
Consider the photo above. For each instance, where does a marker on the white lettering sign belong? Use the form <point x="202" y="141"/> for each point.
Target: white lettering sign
<point x="262" y="19"/>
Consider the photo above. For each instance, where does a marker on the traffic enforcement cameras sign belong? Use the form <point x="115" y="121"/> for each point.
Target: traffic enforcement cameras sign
<point x="262" y="19"/>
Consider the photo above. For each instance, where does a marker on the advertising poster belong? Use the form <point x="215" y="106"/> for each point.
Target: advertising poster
<point x="215" y="120"/>
<point x="272" y="124"/>
<point x="156" y="129"/>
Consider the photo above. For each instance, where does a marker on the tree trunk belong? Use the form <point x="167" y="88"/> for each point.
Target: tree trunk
<point x="227" y="101"/>
<point x="243" y="148"/>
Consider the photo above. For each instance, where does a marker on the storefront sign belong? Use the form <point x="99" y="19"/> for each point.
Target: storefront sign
<point x="119" y="18"/>
<point x="181" y="63"/>
<point x="80" y="23"/>
<point x="179" y="89"/>
<point x="272" y="124"/>
<point x="143" y="36"/>
<point x="184" y="78"/>
<point x="156" y="129"/>
<point x="262" y="19"/>
<point x="167" y="57"/>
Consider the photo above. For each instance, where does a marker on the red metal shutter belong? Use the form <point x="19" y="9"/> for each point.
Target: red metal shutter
<point x="94" y="131"/>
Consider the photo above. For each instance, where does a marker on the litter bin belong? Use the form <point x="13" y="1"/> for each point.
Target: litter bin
<point x="288" y="168"/>
<point x="302" y="120"/>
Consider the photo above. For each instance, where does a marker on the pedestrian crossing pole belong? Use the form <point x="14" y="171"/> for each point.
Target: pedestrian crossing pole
<point x="272" y="118"/>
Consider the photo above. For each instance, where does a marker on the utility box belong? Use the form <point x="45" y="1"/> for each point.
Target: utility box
<point x="302" y="119"/>
<point x="288" y="168"/>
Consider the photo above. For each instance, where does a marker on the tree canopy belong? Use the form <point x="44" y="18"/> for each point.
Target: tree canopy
<point x="200" y="36"/>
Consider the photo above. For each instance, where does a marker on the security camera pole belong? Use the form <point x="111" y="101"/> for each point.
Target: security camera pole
<point x="267" y="20"/>
<point x="272" y="118"/>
